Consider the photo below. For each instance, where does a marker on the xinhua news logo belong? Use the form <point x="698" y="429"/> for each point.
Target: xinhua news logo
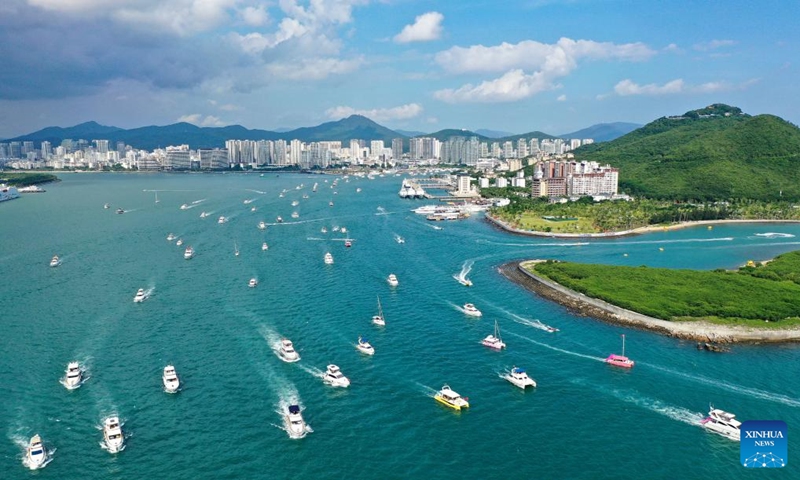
<point x="764" y="444"/>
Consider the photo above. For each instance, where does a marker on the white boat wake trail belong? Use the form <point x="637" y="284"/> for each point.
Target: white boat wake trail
<point x="753" y="392"/>
<point x="313" y="371"/>
<point x="466" y="267"/>
<point x="199" y="201"/>
<point x="599" y="359"/>
<point x="775" y="235"/>
<point x="536" y="323"/>
<point x="428" y="391"/>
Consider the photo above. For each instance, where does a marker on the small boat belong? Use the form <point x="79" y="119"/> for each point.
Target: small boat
<point x="348" y="243"/>
<point x="314" y="189"/>
<point x="328" y="259"/>
<point x="494" y="341"/>
<point x="464" y="281"/>
<point x="400" y="239"/>
<point x="157" y="200"/>
<point x="323" y="230"/>
<point x="185" y="207"/>
<point x="722" y="423"/>
<point x="179" y="242"/>
<point x="140" y="296"/>
<point x="279" y="219"/>
<point x="551" y="329"/>
<point x="335" y="228"/>
<point x="293" y="422"/>
<point x="620" y="360"/>
<point x="518" y="377"/>
<point x="55" y="261"/>
<point x="470" y="309"/>
<point x="120" y="211"/>
<point x="287" y="353"/>
<point x="203" y="215"/>
<point x="264" y="247"/>
<point x="35" y="453"/>
<point x="222" y="220"/>
<point x="170" y="237"/>
<point x="330" y="204"/>
<point x="335" y="378"/>
<point x="446" y="396"/>
<point x="112" y="435"/>
<point x="295" y="203"/>
<point x="107" y="206"/>
<point x="248" y="201"/>
<point x="253" y="209"/>
<point x="188" y="253"/>
<point x="712" y="347"/>
<point x="358" y="190"/>
<point x="305" y="195"/>
<point x="281" y="195"/>
<point x="253" y="283"/>
<point x="262" y="225"/>
<point x="295" y="215"/>
<point x="364" y="347"/>
<point x="235" y="249"/>
<point x="379" y="319"/>
<point x="343" y="230"/>
<point x="436" y="227"/>
<point x="392" y="279"/>
<point x="170" y="379"/>
<point x="73" y="376"/>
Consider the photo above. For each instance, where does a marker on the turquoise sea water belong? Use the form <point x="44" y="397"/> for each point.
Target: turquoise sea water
<point x="585" y="420"/>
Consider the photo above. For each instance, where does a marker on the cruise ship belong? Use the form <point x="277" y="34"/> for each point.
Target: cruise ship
<point x="8" y="193"/>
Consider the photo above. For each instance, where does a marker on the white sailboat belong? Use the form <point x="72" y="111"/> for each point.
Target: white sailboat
<point x="157" y="200"/>
<point x="494" y="341"/>
<point x="379" y="319"/>
<point x="235" y="248"/>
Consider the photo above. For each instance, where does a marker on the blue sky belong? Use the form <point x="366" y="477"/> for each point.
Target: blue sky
<point x="515" y="66"/>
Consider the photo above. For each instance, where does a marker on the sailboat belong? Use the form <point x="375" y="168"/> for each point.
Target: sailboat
<point x="235" y="248"/>
<point x="157" y="200"/>
<point x="378" y="319"/>
<point x="620" y="360"/>
<point x="494" y="341"/>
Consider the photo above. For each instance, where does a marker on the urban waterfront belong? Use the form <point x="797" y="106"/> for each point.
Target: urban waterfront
<point x="585" y="420"/>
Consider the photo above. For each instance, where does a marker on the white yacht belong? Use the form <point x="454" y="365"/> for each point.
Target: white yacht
<point x="305" y="196"/>
<point x="73" y="376"/>
<point x="323" y="230"/>
<point x="293" y="422"/>
<point x="343" y="230"/>
<point x="55" y="261"/>
<point x="203" y="215"/>
<point x="295" y="215"/>
<point x="35" y="453"/>
<point x="179" y="242"/>
<point x="112" y="435"/>
<point x="335" y="378"/>
<point x="279" y="219"/>
<point x="295" y="203"/>
<point x="364" y="347"/>
<point x="400" y="239"/>
<point x="222" y="220"/>
<point x="287" y="353"/>
<point x="140" y="297"/>
<point x="722" y="423"/>
<point x="253" y="283"/>
<point x="518" y="377"/>
<point x="328" y="259"/>
<point x="184" y="207"/>
<point x="470" y="310"/>
<point x="262" y="225"/>
<point x="264" y="246"/>
<point x="253" y="209"/>
<point x="358" y="190"/>
<point x="188" y="253"/>
<point x="330" y="204"/>
<point x="170" y="237"/>
<point x="392" y="279"/>
<point x="170" y="379"/>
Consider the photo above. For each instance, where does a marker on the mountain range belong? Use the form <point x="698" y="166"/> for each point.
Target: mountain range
<point x="352" y="127"/>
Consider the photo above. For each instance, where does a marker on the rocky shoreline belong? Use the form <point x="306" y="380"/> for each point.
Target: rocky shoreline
<point x="594" y="308"/>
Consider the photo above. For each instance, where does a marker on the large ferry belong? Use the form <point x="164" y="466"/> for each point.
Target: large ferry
<point x="8" y="193"/>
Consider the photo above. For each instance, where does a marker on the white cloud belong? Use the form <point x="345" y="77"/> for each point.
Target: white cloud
<point x="402" y="112"/>
<point x="627" y="87"/>
<point x="194" y="118"/>
<point x="313" y="68"/>
<point x="199" y="120"/>
<point x="229" y="107"/>
<point x="255" y="16"/>
<point x="713" y="45"/>
<point x="562" y="98"/>
<point x="514" y="85"/>
<point x="672" y="47"/>
<point x="426" y="27"/>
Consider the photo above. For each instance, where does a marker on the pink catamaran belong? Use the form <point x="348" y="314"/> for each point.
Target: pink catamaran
<point x="620" y="360"/>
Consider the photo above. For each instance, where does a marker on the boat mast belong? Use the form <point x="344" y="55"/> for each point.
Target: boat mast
<point x="623" y="344"/>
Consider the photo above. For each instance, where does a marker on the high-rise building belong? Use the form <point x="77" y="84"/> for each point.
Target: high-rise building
<point x="397" y="149"/>
<point x="295" y="152"/>
<point x="27" y="147"/>
<point x="47" y="149"/>
<point x="280" y="153"/>
<point x="508" y="149"/>
<point x="522" y="148"/>
<point x="4" y="150"/>
<point x="14" y="150"/>
<point x="213" y="159"/>
<point x="101" y="146"/>
<point x="178" y="158"/>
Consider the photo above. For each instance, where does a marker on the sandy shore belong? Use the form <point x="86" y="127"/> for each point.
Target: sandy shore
<point x="622" y="233"/>
<point x="592" y="307"/>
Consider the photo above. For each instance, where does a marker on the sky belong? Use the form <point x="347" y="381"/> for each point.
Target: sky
<point x="514" y="66"/>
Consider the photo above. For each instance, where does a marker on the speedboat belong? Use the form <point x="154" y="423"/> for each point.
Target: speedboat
<point x="295" y="215"/>
<point x="358" y="190"/>
<point x="620" y="360"/>
<point x="107" y="206"/>
<point x="364" y="347"/>
<point x="328" y="259"/>
<point x="494" y="341"/>
<point x="470" y="309"/>
<point x="140" y="297"/>
<point x="55" y="261"/>
<point x="281" y="195"/>
<point x="188" y="253"/>
<point x="184" y="207"/>
<point x="400" y="239"/>
<point x="323" y="230"/>
<point x="551" y="329"/>
<point x="253" y="283"/>
<point x="179" y="242"/>
<point x="170" y="379"/>
<point x="222" y="220"/>
<point x="279" y="219"/>
<point x="392" y="279"/>
<point x="343" y="229"/>
<point x="330" y="204"/>
<point x="203" y="215"/>
<point x="518" y="377"/>
<point x="253" y="209"/>
<point x="36" y="454"/>
<point x="446" y="396"/>
<point x="305" y="195"/>
<point x="295" y="203"/>
<point x="464" y="281"/>
<point x="73" y="376"/>
<point x="112" y="435"/>
<point x="722" y="423"/>
<point x="293" y="422"/>
<point x="170" y="237"/>
<point x="287" y="353"/>
<point x="264" y="246"/>
<point x="120" y="211"/>
<point x="262" y="225"/>
<point x="248" y="201"/>
<point x="335" y="378"/>
<point x="348" y="243"/>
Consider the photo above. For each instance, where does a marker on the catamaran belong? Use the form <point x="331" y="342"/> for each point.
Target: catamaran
<point x="494" y="341"/>
<point x="518" y="377"/>
<point x="379" y="319"/>
<point x="620" y="360"/>
<point x="450" y="398"/>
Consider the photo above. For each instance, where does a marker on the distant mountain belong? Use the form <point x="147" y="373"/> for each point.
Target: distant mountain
<point x="536" y="134"/>
<point x="410" y="133"/>
<point x="714" y="153"/>
<point x="493" y="133"/>
<point x="446" y="134"/>
<point x="603" y="132"/>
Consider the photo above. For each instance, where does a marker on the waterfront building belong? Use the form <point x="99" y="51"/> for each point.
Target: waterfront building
<point x="397" y="149"/>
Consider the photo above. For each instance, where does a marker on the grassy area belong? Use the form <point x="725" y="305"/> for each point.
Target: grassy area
<point x="20" y="179"/>
<point x="741" y="297"/>
<point x="535" y="221"/>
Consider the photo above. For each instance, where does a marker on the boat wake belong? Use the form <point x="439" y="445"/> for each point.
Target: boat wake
<point x="539" y="244"/>
<point x="313" y="371"/>
<point x="197" y="202"/>
<point x="426" y="390"/>
<point x="568" y="352"/>
<point x="256" y="191"/>
<point x="682" y="240"/>
<point x="381" y="211"/>
<point x="775" y="235"/>
<point x="466" y="267"/>
<point x="536" y="323"/>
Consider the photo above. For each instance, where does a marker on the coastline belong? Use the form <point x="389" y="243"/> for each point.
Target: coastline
<point x="601" y="310"/>
<point x="623" y="233"/>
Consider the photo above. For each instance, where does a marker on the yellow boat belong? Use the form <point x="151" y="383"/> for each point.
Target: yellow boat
<point x="450" y="398"/>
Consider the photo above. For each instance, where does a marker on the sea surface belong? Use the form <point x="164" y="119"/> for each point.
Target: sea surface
<point x="585" y="420"/>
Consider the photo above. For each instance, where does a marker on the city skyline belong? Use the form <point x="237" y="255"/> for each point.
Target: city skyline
<point x="553" y="66"/>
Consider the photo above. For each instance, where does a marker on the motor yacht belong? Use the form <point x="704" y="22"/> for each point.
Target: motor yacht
<point x="328" y="259"/>
<point x="518" y="377"/>
<point x="253" y="209"/>
<point x="293" y="422"/>
<point x="262" y="225"/>
<point x="179" y="242"/>
<point x="330" y="204"/>
<point x="120" y="211"/>
<point x="323" y="230"/>
<point x="170" y="237"/>
<point x="287" y="353"/>
<point x="392" y="279"/>
<point x="185" y="207"/>
<point x="112" y="435"/>
<point x="203" y="215"/>
<point x="470" y="310"/>
<point x="170" y="379"/>
<point x="358" y="190"/>
<point x="35" y="453"/>
<point x="305" y="196"/>
<point x="494" y="341"/>
<point x="279" y="219"/>
<point x="295" y="215"/>
<point x="140" y="296"/>
<point x="335" y="378"/>
<point x="188" y="253"/>
<point x="343" y="230"/>
<point x="73" y="376"/>
<point x="446" y="396"/>
<point x="348" y="243"/>
<point x="107" y="206"/>
<point x="264" y="246"/>
<point x="400" y="239"/>
<point x="364" y="347"/>
<point x="722" y="423"/>
<point x="222" y="220"/>
<point x="295" y="203"/>
<point x="253" y="283"/>
<point x="55" y="261"/>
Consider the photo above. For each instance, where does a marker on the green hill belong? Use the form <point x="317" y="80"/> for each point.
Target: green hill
<point x="713" y="153"/>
